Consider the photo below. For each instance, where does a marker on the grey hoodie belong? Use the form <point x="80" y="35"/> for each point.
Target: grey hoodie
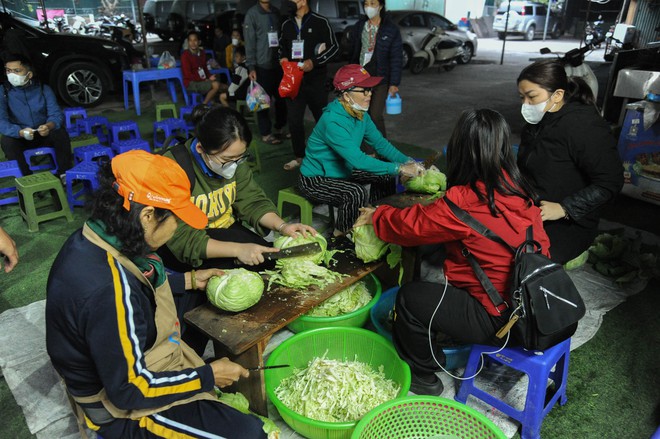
<point x="256" y="26"/>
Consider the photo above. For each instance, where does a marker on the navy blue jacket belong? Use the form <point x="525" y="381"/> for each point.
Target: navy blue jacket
<point x="388" y="52"/>
<point x="29" y="106"/>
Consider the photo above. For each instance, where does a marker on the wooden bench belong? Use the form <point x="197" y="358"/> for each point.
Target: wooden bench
<point x="242" y="337"/>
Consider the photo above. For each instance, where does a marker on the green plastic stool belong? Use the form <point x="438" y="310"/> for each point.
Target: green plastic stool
<point x="292" y="196"/>
<point x="83" y="140"/>
<point x="28" y="186"/>
<point x="256" y="164"/>
<point x="163" y="107"/>
<point x="250" y="116"/>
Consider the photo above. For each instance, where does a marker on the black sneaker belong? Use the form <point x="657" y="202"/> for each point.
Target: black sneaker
<point x="426" y="385"/>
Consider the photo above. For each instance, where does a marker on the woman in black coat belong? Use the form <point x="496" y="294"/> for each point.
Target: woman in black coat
<point x="568" y="154"/>
<point x="376" y="45"/>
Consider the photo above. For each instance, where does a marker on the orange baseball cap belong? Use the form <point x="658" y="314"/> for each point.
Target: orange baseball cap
<point x="154" y="180"/>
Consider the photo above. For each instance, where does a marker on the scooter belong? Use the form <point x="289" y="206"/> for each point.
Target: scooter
<point x="574" y="64"/>
<point x="78" y="26"/>
<point x="593" y="34"/>
<point x="437" y="48"/>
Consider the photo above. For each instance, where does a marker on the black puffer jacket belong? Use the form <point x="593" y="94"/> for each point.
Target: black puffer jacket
<point x="388" y="52"/>
<point x="571" y="158"/>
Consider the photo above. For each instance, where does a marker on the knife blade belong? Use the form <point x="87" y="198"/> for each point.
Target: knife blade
<point x="430" y="160"/>
<point x="296" y="250"/>
<point x="277" y="366"/>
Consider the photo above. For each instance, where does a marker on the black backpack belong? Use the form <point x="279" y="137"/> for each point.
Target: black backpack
<point x="177" y="146"/>
<point x="545" y="305"/>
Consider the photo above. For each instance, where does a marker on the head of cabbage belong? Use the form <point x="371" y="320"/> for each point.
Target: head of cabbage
<point x="287" y="241"/>
<point x="236" y="290"/>
<point x="368" y="246"/>
<point x="431" y="182"/>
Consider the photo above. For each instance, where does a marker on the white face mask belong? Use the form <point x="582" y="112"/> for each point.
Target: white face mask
<point x="17" y="80"/>
<point x="534" y="113"/>
<point x="234" y="41"/>
<point x="371" y="11"/>
<point x="356" y="106"/>
<point x="223" y="171"/>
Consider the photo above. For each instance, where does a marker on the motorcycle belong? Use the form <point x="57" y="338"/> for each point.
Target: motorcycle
<point x="593" y="34"/>
<point x="78" y="26"/>
<point x="574" y="64"/>
<point x="61" y="24"/>
<point x="438" y="48"/>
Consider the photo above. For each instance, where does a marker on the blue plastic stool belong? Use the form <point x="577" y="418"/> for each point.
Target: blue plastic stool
<point x="185" y="114"/>
<point x="166" y="128"/>
<point x="9" y="169"/>
<point x="91" y="153"/>
<point x="37" y="152"/>
<point x="97" y="125"/>
<point x="656" y="435"/>
<point x="196" y="99"/>
<point x="125" y="126"/>
<point x="122" y="146"/>
<point x="538" y="367"/>
<point x="71" y="117"/>
<point x="85" y="172"/>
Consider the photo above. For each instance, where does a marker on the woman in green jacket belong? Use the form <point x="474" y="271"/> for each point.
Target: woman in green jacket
<point x="335" y="170"/>
<point x="226" y="191"/>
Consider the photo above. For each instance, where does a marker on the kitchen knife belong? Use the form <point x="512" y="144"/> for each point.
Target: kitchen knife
<point x="430" y="160"/>
<point x="277" y="366"/>
<point x="291" y="252"/>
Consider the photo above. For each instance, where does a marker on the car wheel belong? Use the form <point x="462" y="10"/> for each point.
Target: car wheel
<point x="407" y="55"/>
<point x="468" y="51"/>
<point x="529" y="35"/>
<point x="500" y="35"/>
<point x="417" y="65"/>
<point x="82" y="84"/>
<point x="556" y="33"/>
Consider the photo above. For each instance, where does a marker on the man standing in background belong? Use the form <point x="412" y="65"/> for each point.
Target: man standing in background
<point x="261" y="32"/>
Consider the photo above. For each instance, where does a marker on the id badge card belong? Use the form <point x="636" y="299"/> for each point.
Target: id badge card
<point x="367" y="58"/>
<point x="297" y="49"/>
<point x="272" y="39"/>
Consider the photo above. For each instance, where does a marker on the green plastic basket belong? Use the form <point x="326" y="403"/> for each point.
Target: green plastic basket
<point x="356" y="318"/>
<point x="341" y="343"/>
<point x="419" y="417"/>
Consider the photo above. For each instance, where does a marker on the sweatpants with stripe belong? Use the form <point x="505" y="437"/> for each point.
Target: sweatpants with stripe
<point x="198" y="419"/>
<point x="347" y="195"/>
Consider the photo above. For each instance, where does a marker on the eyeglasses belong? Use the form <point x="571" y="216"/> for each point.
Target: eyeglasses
<point x="20" y="70"/>
<point x="223" y="164"/>
<point x="365" y="91"/>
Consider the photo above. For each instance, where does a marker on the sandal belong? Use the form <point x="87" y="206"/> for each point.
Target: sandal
<point x="293" y="164"/>
<point x="271" y="140"/>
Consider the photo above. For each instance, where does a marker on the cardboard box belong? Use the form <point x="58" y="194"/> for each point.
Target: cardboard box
<point x="640" y="152"/>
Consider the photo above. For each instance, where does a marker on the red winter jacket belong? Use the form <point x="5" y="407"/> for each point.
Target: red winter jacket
<point x="435" y="223"/>
<point x="189" y="67"/>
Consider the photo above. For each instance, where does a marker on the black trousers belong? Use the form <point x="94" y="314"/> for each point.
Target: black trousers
<point x="270" y="80"/>
<point x="568" y="239"/>
<point x="59" y="139"/>
<point x="234" y="233"/>
<point x="377" y="107"/>
<point x="460" y="319"/>
<point x="312" y="94"/>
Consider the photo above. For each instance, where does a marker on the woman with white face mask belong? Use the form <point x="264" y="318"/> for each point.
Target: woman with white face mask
<point x="30" y="116"/>
<point x="335" y="170"/>
<point x="224" y="189"/>
<point x="568" y="154"/>
<point x="377" y="46"/>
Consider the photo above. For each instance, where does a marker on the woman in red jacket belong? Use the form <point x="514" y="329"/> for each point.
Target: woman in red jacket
<point x="484" y="181"/>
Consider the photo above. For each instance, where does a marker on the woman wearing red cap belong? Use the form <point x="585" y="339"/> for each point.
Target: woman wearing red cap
<point x="114" y="330"/>
<point x="335" y="170"/>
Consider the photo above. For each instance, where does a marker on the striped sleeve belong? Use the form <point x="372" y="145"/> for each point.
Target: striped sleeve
<point x="330" y="42"/>
<point x="121" y="332"/>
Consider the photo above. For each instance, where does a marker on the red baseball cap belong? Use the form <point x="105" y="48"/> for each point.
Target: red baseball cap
<point x="154" y="180"/>
<point x="354" y="75"/>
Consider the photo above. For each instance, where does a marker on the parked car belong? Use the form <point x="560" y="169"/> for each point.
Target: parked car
<point x="80" y="69"/>
<point x="174" y="18"/>
<point x="416" y="25"/>
<point x="526" y="19"/>
<point x="226" y="20"/>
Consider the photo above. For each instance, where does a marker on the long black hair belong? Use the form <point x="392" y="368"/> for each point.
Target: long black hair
<point x="108" y="206"/>
<point x="480" y="150"/>
<point x="218" y="127"/>
<point x="550" y="75"/>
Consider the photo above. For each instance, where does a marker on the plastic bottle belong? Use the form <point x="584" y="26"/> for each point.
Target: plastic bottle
<point x="393" y="104"/>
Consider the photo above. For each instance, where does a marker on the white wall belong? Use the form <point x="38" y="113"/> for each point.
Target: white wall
<point x="457" y="9"/>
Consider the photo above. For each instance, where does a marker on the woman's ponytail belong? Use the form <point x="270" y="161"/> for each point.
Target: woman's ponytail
<point x="579" y="90"/>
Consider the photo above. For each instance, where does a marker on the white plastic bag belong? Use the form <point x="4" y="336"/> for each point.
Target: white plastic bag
<point x="166" y="61"/>
<point x="257" y="99"/>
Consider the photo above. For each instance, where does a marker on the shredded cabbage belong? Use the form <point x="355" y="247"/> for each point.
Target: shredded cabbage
<point x="236" y="290"/>
<point x="336" y="391"/>
<point x="430" y="182"/>
<point x="303" y="274"/>
<point x="240" y="403"/>
<point x="347" y="300"/>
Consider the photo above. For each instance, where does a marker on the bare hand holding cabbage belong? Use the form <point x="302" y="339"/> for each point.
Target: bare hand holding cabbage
<point x="236" y="290"/>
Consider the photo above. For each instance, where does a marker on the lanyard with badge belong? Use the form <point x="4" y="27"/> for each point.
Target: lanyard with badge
<point x="298" y="46"/>
<point x="272" y="34"/>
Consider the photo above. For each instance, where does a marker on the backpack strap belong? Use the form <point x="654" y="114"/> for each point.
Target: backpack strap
<point x="182" y="157"/>
<point x="473" y="223"/>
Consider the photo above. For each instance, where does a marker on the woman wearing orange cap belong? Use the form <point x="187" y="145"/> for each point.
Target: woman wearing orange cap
<point x="335" y="170"/>
<point x="114" y="330"/>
